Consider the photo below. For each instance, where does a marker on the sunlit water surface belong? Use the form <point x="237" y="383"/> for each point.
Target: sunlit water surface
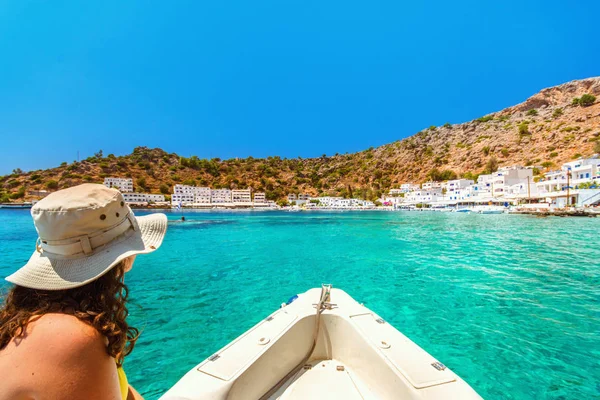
<point x="510" y="303"/>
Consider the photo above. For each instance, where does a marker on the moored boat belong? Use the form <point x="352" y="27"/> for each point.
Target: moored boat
<point x="16" y="205"/>
<point x="463" y="210"/>
<point x="322" y="344"/>
<point x="490" y="209"/>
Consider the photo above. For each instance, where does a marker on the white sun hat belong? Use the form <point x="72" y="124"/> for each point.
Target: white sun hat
<point x="84" y="231"/>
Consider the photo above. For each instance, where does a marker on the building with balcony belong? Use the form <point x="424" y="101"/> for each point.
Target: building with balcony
<point x="259" y="198"/>
<point x="220" y="196"/>
<point x="572" y="175"/>
<point x="186" y="194"/>
<point x="424" y="196"/>
<point x="431" y="185"/>
<point x="455" y="189"/>
<point x="143" y="198"/>
<point x="124" y="185"/>
<point x="241" y="195"/>
<point x="497" y="183"/>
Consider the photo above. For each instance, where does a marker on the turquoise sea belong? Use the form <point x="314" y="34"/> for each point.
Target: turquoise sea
<point x="510" y="303"/>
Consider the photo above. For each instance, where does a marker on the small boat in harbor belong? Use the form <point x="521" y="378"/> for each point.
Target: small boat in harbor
<point x="489" y="209"/>
<point x="321" y="344"/>
<point x="16" y="205"/>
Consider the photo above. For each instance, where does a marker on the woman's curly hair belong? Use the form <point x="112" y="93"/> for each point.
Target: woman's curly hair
<point x="100" y="303"/>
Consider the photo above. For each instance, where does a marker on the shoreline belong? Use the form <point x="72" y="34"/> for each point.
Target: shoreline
<point x="537" y="213"/>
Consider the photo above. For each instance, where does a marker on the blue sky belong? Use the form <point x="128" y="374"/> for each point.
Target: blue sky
<point x="283" y="77"/>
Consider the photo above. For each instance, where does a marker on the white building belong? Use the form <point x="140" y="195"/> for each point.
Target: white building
<point x="186" y="194"/>
<point x="155" y="198"/>
<point x="220" y="196"/>
<point x="259" y="198"/>
<point x="182" y="199"/>
<point x="190" y="194"/>
<point x="584" y="170"/>
<point x="456" y="189"/>
<point x="202" y="195"/>
<point x="404" y="188"/>
<point x="341" y="203"/>
<point x="241" y="195"/>
<point x="474" y="190"/>
<point x="299" y="199"/>
<point x="497" y="183"/>
<point x="431" y="185"/>
<point x="522" y="190"/>
<point x="572" y="174"/>
<point x="327" y="201"/>
<point x="140" y="198"/>
<point x="424" y="196"/>
<point x="124" y="185"/>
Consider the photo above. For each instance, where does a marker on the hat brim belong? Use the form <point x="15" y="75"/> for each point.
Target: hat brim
<point x="42" y="272"/>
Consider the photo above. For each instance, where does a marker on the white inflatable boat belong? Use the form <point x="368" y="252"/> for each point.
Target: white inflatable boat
<point x="322" y="345"/>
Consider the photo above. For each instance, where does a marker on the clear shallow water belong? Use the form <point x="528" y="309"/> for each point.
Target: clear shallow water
<point x="510" y="303"/>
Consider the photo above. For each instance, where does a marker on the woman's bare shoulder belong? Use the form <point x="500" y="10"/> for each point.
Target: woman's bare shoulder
<point x="59" y="336"/>
<point x="61" y="357"/>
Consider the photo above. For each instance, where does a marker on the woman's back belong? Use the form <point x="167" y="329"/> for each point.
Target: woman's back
<point x="63" y="325"/>
<point x="59" y="357"/>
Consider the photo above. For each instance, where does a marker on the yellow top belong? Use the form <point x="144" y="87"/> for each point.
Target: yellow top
<point x="123" y="383"/>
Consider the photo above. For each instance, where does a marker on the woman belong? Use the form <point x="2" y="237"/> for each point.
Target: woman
<point x="63" y="328"/>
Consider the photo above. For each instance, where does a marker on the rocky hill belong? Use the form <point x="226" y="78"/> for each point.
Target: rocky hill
<point x="554" y="126"/>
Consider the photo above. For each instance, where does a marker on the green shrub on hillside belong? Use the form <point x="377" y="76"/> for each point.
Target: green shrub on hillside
<point x="19" y="194"/>
<point x="491" y="166"/>
<point x="587" y="100"/>
<point x="553" y="154"/>
<point x="486" y="118"/>
<point x="547" y="164"/>
<point x="557" y="113"/>
<point x="524" y="129"/>
<point x="575" y="101"/>
<point x="141" y="183"/>
<point x="52" y="184"/>
<point x="486" y="150"/>
<point x="470" y="175"/>
<point x="504" y="152"/>
<point x="448" y="125"/>
<point x="597" y="147"/>
<point x="570" y="129"/>
<point x="445" y="175"/>
<point x="164" y="189"/>
<point x="533" y="112"/>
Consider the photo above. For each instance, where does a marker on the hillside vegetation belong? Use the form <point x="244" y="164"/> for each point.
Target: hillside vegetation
<point x="554" y="126"/>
